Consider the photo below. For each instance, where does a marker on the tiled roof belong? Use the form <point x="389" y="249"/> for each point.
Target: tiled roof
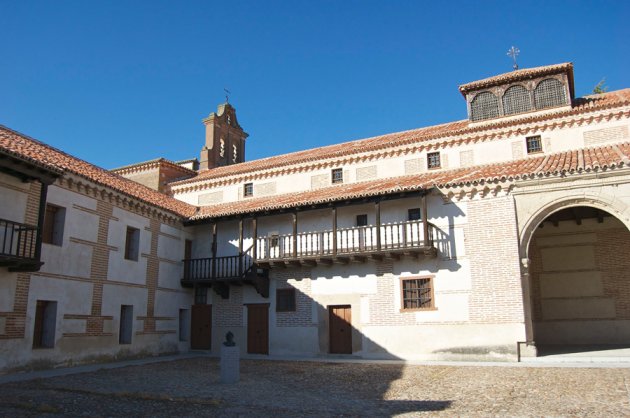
<point x="524" y="74"/>
<point x="416" y="136"/>
<point x="155" y="163"/>
<point x="584" y="160"/>
<point x="40" y="153"/>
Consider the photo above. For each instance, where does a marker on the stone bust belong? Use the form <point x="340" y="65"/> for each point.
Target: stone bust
<point x="229" y="339"/>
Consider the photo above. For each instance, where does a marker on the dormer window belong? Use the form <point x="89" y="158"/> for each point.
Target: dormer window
<point x="516" y="99"/>
<point x="485" y="105"/>
<point x="549" y="93"/>
<point x="337" y="176"/>
<point x="248" y="189"/>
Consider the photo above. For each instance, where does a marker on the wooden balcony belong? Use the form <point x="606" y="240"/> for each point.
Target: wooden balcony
<point x="18" y="246"/>
<point x="356" y="244"/>
<point x="220" y="272"/>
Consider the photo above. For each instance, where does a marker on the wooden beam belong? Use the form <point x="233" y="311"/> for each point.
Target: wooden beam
<point x="294" y="234"/>
<point x="378" y="225"/>
<point x="576" y="215"/>
<point x="425" y="221"/>
<point x="334" y="225"/>
<point x="255" y="234"/>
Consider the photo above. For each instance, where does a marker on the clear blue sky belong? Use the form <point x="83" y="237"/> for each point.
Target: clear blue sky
<point x="117" y="82"/>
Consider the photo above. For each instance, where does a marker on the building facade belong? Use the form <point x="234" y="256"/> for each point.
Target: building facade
<point x="488" y="238"/>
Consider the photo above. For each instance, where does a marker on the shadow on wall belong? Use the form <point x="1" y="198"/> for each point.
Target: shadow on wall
<point x="339" y="337"/>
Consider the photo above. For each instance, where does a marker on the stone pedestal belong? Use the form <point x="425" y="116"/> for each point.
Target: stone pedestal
<point x="230" y="364"/>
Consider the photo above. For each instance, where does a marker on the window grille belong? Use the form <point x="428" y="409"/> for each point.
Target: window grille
<point x="413" y="214"/>
<point x="484" y="106"/>
<point x="516" y="100"/>
<point x="285" y="300"/>
<point x="248" y="190"/>
<point x="433" y="160"/>
<point x="417" y="293"/>
<point x="534" y="144"/>
<point x="549" y="93"/>
<point x="337" y="175"/>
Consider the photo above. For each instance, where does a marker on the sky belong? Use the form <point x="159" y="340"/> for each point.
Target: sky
<point x="119" y="82"/>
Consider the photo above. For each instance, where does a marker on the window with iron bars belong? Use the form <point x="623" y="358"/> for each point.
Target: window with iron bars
<point x="337" y="175"/>
<point x="534" y="144"/>
<point x="433" y="160"/>
<point x="417" y="293"/>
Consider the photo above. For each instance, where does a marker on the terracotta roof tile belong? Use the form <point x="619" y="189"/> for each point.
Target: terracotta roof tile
<point x="522" y="74"/>
<point x="416" y="136"/>
<point x="590" y="159"/>
<point x="40" y="153"/>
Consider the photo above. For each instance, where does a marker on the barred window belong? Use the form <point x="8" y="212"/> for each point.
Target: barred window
<point x="484" y="106"/>
<point x="417" y="293"/>
<point x="413" y="214"/>
<point x="285" y="300"/>
<point x="248" y="189"/>
<point x="549" y="93"/>
<point x="433" y="160"/>
<point x="337" y="175"/>
<point x="516" y="100"/>
<point x="534" y="144"/>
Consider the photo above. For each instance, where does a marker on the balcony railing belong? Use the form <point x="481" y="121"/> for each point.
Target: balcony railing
<point x="222" y="268"/>
<point x="18" y="244"/>
<point x="355" y="240"/>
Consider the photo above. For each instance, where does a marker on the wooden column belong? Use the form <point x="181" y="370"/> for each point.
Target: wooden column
<point x="295" y="234"/>
<point x="255" y="235"/>
<point x="334" y="230"/>
<point x="43" y="193"/>
<point x="425" y="222"/>
<point x="378" y="225"/>
<point x="240" y="247"/>
<point x="214" y="250"/>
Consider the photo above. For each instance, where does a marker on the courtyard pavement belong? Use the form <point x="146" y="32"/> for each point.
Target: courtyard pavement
<point x="188" y="385"/>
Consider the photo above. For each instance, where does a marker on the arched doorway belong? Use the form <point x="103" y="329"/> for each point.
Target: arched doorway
<point x="579" y="273"/>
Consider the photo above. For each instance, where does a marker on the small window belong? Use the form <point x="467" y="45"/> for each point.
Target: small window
<point x="201" y="295"/>
<point x="45" y="324"/>
<point x="132" y="244"/>
<point x="126" y="324"/>
<point x="362" y="220"/>
<point x="417" y="293"/>
<point x="54" y="219"/>
<point x="337" y="175"/>
<point x="433" y="160"/>
<point x="534" y="144"/>
<point x="248" y="189"/>
<point x="413" y="214"/>
<point x="285" y="300"/>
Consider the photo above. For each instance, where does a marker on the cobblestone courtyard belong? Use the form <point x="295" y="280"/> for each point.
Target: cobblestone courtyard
<point x="191" y="387"/>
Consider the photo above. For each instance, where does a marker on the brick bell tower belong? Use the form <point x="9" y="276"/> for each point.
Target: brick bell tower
<point x="225" y="139"/>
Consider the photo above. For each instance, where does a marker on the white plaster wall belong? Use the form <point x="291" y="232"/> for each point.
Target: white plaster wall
<point x="13" y="201"/>
<point x="120" y="269"/>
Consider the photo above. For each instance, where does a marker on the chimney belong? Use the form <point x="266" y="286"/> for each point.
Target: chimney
<point x="225" y="139"/>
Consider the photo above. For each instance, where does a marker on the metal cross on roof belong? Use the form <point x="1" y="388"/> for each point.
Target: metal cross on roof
<point x="513" y="52"/>
<point x="227" y="95"/>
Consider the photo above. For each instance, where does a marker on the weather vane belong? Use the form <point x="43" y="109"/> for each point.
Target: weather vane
<point x="513" y="52"/>
<point x="227" y="95"/>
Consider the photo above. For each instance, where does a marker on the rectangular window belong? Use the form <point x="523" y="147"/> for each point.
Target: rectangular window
<point x="184" y="324"/>
<point x="45" y="324"/>
<point x="362" y="220"/>
<point x="201" y="295"/>
<point x="285" y="300"/>
<point x="248" y="189"/>
<point x="54" y="219"/>
<point x="534" y="144"/>
<point x="413" y="214"/>
<point x="433" y="160"/>
<point x="126" y="324"/>
<point x="337" y="175"/>
<point x="132" y="243"/>
<point x="417" y="293"/>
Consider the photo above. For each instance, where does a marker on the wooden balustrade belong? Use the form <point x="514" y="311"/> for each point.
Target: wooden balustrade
<point x="17" y="241"/>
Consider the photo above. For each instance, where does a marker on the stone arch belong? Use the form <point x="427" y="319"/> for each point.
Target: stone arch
<point x="614" y="207"/>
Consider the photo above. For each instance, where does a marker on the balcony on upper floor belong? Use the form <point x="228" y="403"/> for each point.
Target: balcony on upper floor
<point x="18" y="246"/>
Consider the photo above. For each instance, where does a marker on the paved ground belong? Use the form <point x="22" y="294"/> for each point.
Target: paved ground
<point x="190" y="387"/>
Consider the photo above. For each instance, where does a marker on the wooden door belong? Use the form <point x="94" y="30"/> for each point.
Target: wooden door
<point x="340" y="327"/>
<point x="201" y="327"/>
<point x="258" y="328"/>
